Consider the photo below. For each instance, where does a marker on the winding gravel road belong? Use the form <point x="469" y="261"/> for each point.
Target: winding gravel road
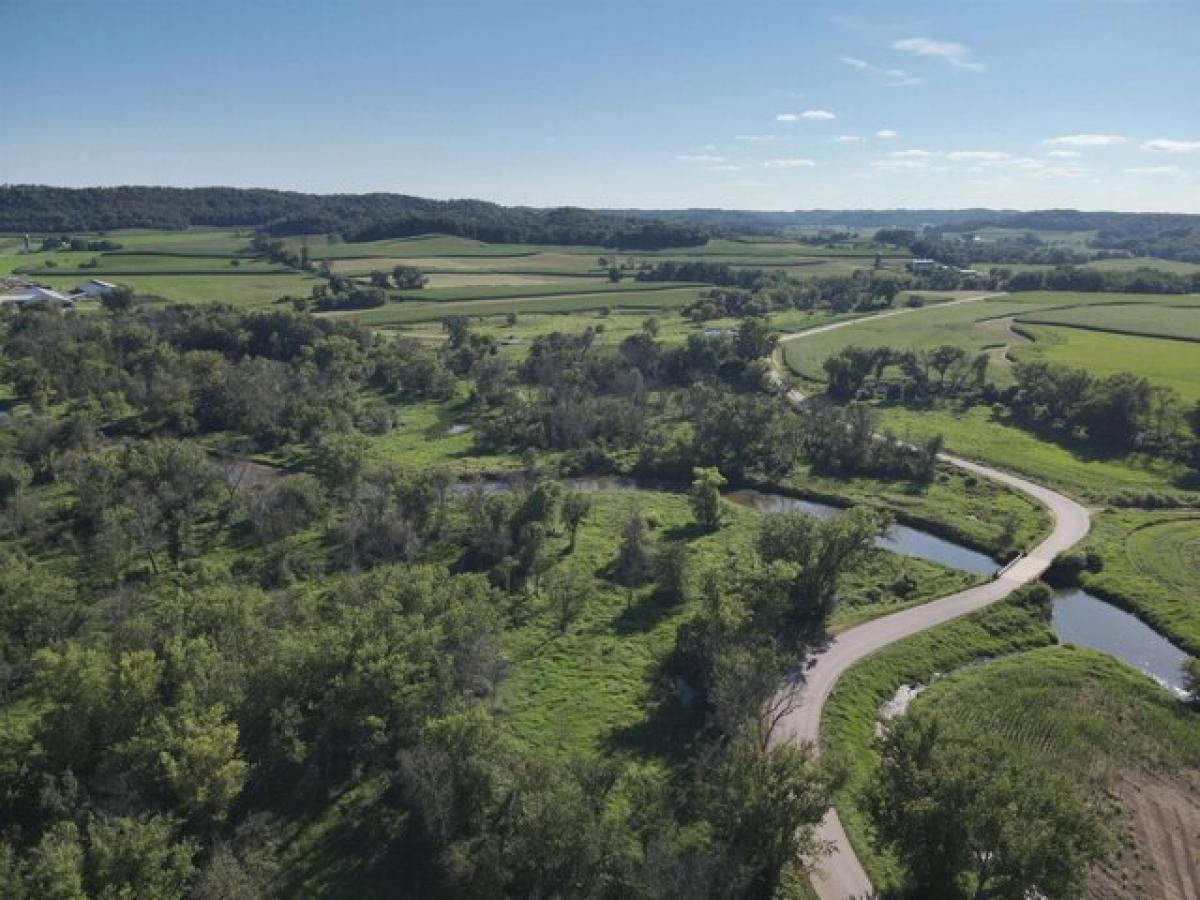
<point x="840" y="875"/>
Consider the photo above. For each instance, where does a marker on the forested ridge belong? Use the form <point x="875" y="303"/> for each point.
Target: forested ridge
<point x="357" y="217"/>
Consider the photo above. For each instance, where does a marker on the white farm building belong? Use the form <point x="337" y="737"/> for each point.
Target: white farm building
<point x="94" y="287"/>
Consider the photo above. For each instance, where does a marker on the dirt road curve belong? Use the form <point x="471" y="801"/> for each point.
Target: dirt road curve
<point x="841" y="876"/>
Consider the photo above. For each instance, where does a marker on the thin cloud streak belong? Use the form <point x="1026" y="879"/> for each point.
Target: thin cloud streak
<point x="958" y="55"/>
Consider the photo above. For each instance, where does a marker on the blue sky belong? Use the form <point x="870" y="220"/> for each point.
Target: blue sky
<point x="1017" y="103"/>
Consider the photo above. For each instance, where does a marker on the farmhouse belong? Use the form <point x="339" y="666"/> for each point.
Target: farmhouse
<point x="94" y="287"/>
<point x="921" y="265"/>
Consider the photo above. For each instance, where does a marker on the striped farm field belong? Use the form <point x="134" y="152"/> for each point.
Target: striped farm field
<point x="670" y="298"/>
<point x="1170" y="363"/>
<point x="1174" y="317"/>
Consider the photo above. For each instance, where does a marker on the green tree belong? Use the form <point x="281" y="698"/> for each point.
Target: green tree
<point x="339" y="460"/>
<point x="118" y="299"/>
<point x="972" y="817"/>
<point x="198" y="761"/>
<point x="705" y="497"/>
<point x="634" y="562"/>
<point x="128" y="857"/>
<point x="569" y="591"/>
<point x="408" y="278"/>
<point x="671" y="571"/>
<point x="55" y="867"/>
<point x="764" y="804"/>
<point x="575" y="508"/>
<point x="1191" y="681"/>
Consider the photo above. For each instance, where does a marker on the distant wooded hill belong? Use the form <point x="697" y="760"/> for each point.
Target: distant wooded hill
<point x="364" y="217"/>
<point x="357" y="217"/>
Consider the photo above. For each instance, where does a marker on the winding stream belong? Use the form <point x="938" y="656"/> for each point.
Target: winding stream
<point x="1078" y="617"/>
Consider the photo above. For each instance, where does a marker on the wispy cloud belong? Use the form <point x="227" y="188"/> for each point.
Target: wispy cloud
<point x="724" y="167"/>
<point x="913" y="154"/>
<point x="892" y="77"/>
<point x="1064" y="154"/>
<point x="848" y="139"/>
<point x="706" y="158"/>
<point x="904" y="165"/>
<point x="1155" y="170"/>
<point x="1084" y="140"/>
<point x="887" y="134"/>
<point x="809" y="115"/>
<point x="792" y="162"/>
<point x="957" y="55"/>
<point x="1166" y="145"/>
<point x="983" y="156"/>
<point x="758" y="138"/>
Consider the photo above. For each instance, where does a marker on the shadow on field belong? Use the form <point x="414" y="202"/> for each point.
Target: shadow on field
<point x="644" y="614"/>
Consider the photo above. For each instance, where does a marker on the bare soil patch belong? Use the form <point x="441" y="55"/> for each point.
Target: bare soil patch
<point x="1161" y="857"/>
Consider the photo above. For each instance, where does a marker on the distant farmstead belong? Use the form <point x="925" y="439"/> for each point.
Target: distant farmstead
<point x="921" y="265"/>
<point x="94" y="287"/>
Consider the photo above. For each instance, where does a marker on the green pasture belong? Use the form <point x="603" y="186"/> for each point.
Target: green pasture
<point x="979" y="433"/>
<point x="590" y="690"/>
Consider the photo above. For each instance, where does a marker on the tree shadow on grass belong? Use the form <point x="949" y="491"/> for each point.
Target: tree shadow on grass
<point x="644" y="613"/>
<point x="355" y="845"/>
<point x="670" y="733"/>
<point x="689" y="532"/>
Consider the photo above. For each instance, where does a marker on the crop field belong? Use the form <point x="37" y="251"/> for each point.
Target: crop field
<point x="962" y="325"/>
<point x="246" y="291"/>
<point x="986" y="325"/>
<point x="1151" y="567"/>
<point x="89" y="265"/>
<point x="662" y="298"/>
<point x="1172" y="318"/>
<point x="1171" y="363"/>
<point x="466" y="277"/>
